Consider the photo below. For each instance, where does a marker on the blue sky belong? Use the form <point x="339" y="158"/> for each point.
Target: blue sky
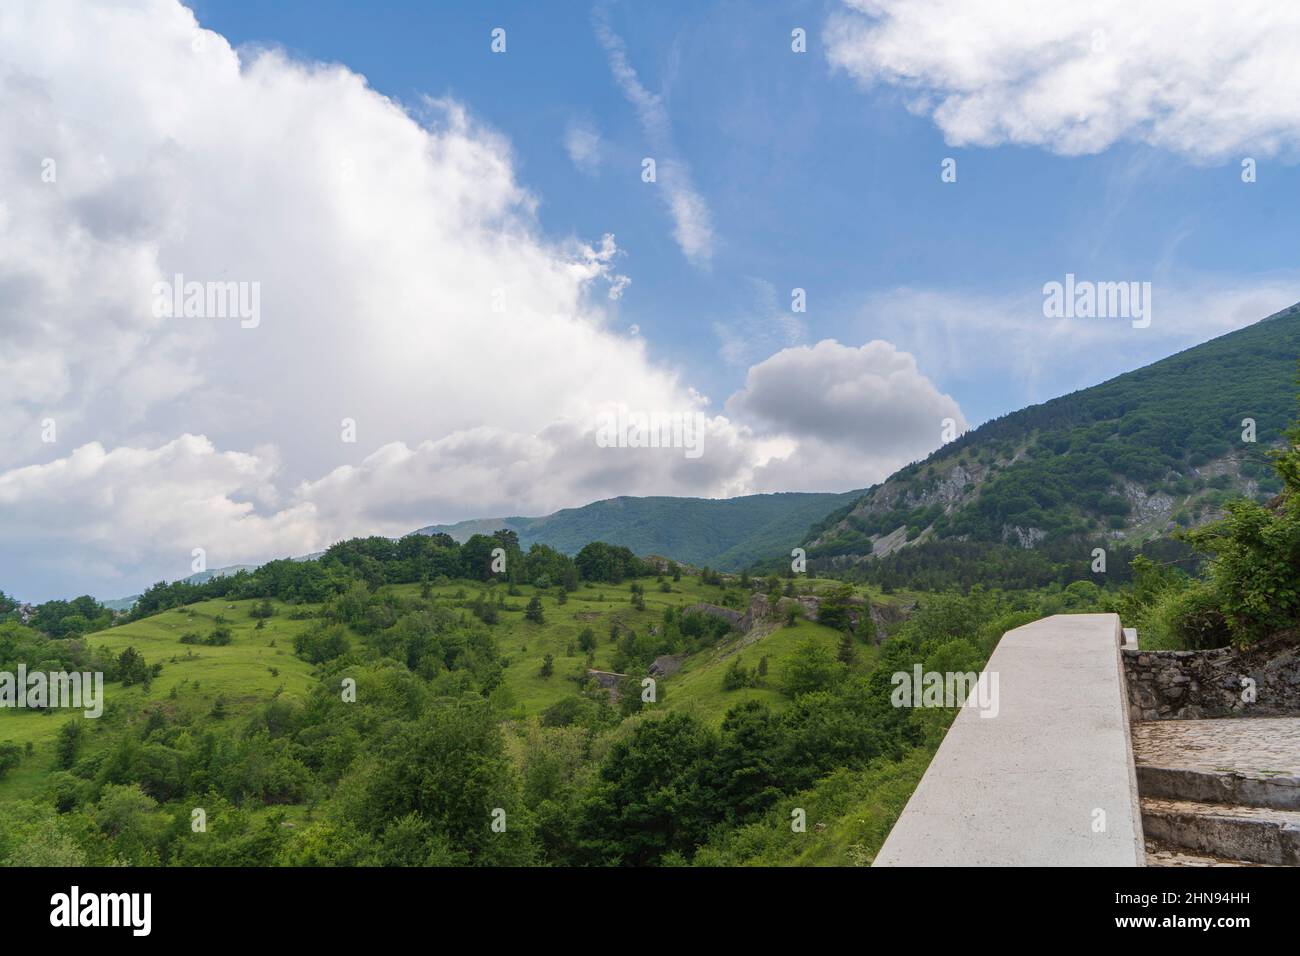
<point x="460" y="273"/>
<point x="812" y="181"/>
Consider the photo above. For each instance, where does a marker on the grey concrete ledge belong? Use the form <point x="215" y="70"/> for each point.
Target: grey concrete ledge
<point x="1030" y="785"/>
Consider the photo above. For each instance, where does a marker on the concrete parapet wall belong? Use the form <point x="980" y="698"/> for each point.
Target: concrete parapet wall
<point x="1049" y="780"/>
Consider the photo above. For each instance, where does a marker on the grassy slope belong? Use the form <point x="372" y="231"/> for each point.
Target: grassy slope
<point x="241" y="671"/>
<point x="697" y="686"/>
<point x="848" y="813"/>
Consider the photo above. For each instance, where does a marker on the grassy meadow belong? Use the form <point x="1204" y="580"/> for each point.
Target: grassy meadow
<point x="259" y="663"/>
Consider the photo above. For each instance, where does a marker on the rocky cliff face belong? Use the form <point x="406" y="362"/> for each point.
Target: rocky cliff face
<point x="763" y="610"/>
<point x="1130" y="459"/>
<point x="954" y="484"/>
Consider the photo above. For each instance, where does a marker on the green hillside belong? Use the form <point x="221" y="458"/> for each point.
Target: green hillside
<point x="256" y="666"/>
<point x="1122" y="463"/>
<point x="250" y="727"/>
<point x="725" y="533"/>
<point x="259" y="664"/>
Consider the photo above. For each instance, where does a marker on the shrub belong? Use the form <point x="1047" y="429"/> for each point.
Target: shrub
<point x="738" y="676"/>
<point x="321" y="644"/>
<point x="1255" y="549"/>
<point x="10" y="756"/>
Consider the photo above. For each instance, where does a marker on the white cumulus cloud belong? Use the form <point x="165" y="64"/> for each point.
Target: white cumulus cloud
<point x="1209" y="80"/>
<point x="860" y="413"/>
<point x="405" y="286"/>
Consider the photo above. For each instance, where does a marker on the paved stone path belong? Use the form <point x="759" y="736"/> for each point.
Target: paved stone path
<point x="1163" y="854"/>
<point x="1220" y="792"/>
<point x="1259" y="747"/>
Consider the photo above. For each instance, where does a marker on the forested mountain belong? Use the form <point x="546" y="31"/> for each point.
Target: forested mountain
<point x="1122" y="463"/>
<point x="725" y="533"/>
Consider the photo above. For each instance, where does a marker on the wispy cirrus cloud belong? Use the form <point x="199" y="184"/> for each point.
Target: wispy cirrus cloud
<point x="692" y="220"/>
<point x="764" y="326"/>
<point x="583" y="143"/>
<point x="972" y="336"/>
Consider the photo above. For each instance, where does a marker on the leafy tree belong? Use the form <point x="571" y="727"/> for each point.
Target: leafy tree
<point x="131" y="668"/>
<point x="323" y="643"/>
<point x="737" y="676"/>
<point x="69" y="743"/>
<point x="450" y="769"/>
<point x="11" y="755"/>
<point x="1255" y="551"/>
<point x="652" y="795"/>
<point x="746" y="773"/>
<point x="812" y="669"/>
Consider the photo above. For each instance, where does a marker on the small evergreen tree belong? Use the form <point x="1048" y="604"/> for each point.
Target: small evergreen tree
<point x="69" y="743"/>
<point x="848" y="654"/>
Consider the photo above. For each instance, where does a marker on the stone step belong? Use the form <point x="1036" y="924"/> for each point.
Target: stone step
<point x="1163" y="854"/>
<point x="1244" y="761"/>
<point x="1254" y="834"/>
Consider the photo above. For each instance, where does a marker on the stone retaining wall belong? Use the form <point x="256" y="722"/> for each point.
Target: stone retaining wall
<point x="1185" y="685"/>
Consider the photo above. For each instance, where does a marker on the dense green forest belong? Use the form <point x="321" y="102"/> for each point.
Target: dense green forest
<point x="470" y="697"/>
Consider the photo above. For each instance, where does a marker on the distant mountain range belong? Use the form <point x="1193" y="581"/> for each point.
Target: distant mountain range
<point x="1129" y="460"/>
<point x="724" y="533"/>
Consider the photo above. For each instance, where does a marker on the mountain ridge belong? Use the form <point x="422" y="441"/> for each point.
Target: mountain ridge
<point x="1129" y="459"/>
<point x="724" y="533"/>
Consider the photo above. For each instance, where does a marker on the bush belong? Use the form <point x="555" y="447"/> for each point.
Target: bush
<point x="1196" y="620"/>
<point x="321" y="644"/>
<point x="10" y="756"/>
<point x="1254" y="571"/>
<point x="813" y="669"/>
<point x="1255" y="549"/>
<point x="738" y="676"/>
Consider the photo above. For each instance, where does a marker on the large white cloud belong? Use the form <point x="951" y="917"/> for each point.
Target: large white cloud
<point x="860" y="413"/>
<point x="404" y="285"/>
<point x="1209" y="80"/>
<point x="94" y="514"/>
